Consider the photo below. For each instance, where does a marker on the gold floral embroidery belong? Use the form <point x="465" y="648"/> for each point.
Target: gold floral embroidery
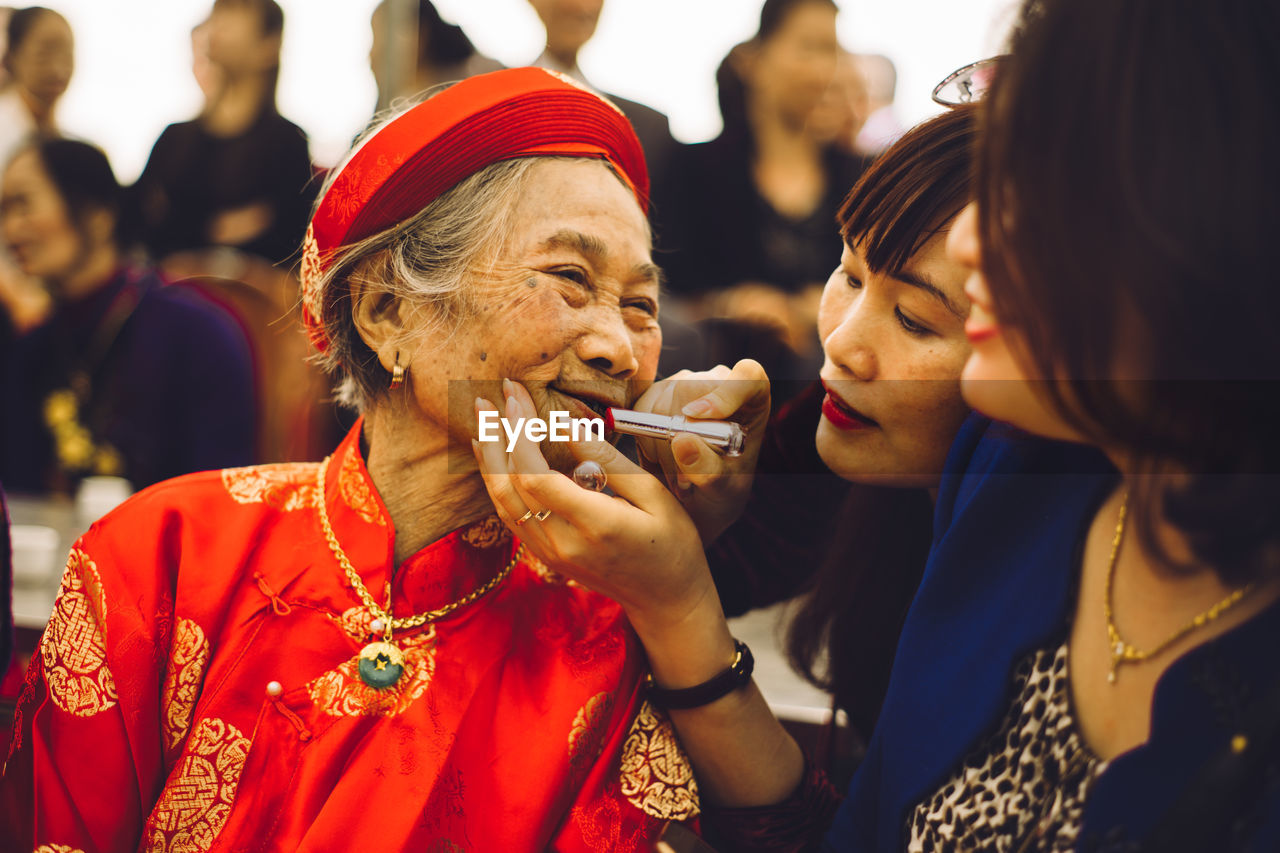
<point x="57" y="848"/>
<point x="74" y="649"/>
<point x="488" y="532"/>
<point x="656" y="775"/>
<point x="341" y="693"/>
<point x="586" y="738"/>
<point x="197" y="797"/>
<point x="286" y="486"/>
<point x="188" y="654"/>
<point x="356" y="623"/>
<point x="355" y="490"/>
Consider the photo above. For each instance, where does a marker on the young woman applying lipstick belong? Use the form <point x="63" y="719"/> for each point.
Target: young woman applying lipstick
<point x="887" y="408"/>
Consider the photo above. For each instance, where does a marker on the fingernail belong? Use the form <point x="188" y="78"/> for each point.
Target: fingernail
<point x="508" y="388"/>
<point x="513" y="408"/>
<point x="480" y="404"/>
<point x="696" y="408"/>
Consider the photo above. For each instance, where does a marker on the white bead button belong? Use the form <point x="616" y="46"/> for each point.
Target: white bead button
<point x="378" y="626"/>
<point x="274" y="688"/>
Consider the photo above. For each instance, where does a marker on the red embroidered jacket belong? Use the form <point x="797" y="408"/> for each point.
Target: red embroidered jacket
<point x="518" y="723"/>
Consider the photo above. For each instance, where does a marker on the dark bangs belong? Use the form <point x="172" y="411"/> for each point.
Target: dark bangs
<point x="912" y="190"/>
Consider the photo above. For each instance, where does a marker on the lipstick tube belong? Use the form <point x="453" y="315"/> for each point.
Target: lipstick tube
<point x="726" y="436"/>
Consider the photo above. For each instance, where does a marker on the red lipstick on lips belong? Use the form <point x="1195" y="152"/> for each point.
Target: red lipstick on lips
<point x="841" y="416"/>
<point x="977" y="333"/>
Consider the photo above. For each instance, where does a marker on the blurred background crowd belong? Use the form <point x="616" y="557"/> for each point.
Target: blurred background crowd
<point x="219" y="122"/>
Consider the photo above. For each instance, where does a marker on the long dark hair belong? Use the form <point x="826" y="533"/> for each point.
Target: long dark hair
<point x="858" y="599"/>
<point x="1127" y="222"/>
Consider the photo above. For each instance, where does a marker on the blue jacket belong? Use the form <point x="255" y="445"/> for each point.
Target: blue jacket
<point x="1011" y="518"/>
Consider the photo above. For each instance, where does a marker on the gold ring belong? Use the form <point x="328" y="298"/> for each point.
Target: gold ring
<point x="522" y="519"/>
<point x="542" y="516"/>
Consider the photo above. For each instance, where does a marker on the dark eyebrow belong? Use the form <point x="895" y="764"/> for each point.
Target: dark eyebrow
<point x="908" y="277"/>
<point x="585" y="244"/>
<point x="595" y="248"/>
<point x="651" y="273"/>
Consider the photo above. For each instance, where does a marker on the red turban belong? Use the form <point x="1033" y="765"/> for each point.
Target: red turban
<point x="421" y="154"/>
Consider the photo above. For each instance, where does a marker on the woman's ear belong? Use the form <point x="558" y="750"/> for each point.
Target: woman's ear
<point x="379" y="317"/>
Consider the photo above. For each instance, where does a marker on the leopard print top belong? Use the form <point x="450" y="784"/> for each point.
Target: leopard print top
<point x="1024" y="789"/>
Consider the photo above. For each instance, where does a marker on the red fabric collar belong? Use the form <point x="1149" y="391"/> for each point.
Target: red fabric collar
<point x="410" y="162"/>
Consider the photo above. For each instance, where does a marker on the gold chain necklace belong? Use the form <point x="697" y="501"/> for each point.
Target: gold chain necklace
<point x="1122" y="652"/>
<point x="381" y="663"/>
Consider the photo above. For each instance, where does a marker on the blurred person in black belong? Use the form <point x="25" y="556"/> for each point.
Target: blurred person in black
<point x="443" y="51"/>
<point x="748" y="215"/>
<point x="238" y="175"/>
<point x="128" y="377"/>
<point x="570" y="24"/>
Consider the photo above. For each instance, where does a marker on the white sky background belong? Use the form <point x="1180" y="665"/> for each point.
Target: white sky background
<point x="133" y="59"/>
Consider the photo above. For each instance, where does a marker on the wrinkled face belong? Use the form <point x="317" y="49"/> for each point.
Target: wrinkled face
<point x="793" y="67"/>
<point x="570" y="23"/>
<point x="569" y="309"/>
<point x="894" y="344"/>
<point x="43" y="63"/>
<point x="37" y="227"/>
<point x="994" y="381"/>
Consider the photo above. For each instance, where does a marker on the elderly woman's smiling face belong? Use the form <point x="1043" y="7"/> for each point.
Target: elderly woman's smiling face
<point x="568" y="308"/>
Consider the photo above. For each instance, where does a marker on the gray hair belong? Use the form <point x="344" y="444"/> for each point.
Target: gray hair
<point x="425" y="261"/>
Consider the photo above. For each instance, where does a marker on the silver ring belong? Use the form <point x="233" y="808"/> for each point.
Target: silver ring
<point x="542" y="516"/>
<point x="522" y="519"/>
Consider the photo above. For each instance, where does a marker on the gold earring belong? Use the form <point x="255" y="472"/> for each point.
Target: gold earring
<point x="397" y="373"/>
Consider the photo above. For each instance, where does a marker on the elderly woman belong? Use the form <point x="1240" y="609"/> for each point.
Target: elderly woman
<point x="355" y="653"/>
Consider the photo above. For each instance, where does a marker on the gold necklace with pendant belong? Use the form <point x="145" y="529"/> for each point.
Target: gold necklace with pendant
<point x="381" y="663"/>
<point x="1117" y="648"/>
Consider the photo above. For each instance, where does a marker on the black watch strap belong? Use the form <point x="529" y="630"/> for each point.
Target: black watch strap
<point x="719" y="686"/>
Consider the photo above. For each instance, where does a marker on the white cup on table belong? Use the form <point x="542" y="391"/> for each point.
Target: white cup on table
<point x="36" y="558"/>
<point x="97" y="496"/>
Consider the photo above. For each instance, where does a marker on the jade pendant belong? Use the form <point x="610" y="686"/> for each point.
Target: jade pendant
<point x="381" y="664"/>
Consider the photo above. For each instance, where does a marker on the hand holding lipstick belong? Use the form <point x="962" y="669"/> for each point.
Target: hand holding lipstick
<point x="713" y="487"/>
<point x="637" y="546"/>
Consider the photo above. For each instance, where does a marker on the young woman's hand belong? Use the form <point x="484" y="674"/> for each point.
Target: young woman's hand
<point x="638" y="546"/>
<point x="712" y="487"/>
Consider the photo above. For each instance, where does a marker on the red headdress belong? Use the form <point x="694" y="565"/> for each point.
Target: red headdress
<point x="421" y="154"/>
